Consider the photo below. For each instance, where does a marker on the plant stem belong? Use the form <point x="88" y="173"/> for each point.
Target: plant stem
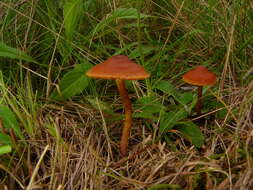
<point x="128" y="116"/>
<point x="199" y="101"/>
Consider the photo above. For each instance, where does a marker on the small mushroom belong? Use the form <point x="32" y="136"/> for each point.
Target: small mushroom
<point x="199" y="76"/>
<point x="120" y="68"/>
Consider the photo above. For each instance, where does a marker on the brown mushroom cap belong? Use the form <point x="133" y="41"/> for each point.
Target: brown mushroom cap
<point x="118" y="67"/>
<point x="200" y="76"/>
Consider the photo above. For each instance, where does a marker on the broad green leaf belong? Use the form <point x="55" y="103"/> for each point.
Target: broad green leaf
<point x="5" y="139"/>
<point x="13" y="53"/>
<point x="9" y="120"/>
<point x="144" y="114"/>
<point x="147" y="106"/>
<point x="152" y="108"/>
<point x="185" y="98"/>
<point x="150" y="102"/>
<point x="166" y="87"/>
<point x="5" y="149"/>
<point x="119" y="13"/>
<point x="72" y="13"/>
<point x="192" y="132"/>
<point x="73" y="82"/>
<point x="170" y="89"/>
<point x="169" y="119"/>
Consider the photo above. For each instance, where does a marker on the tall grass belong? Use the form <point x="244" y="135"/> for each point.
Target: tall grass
<point x="47" y="46"/>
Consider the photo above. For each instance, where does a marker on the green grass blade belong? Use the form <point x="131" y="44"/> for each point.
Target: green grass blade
<point x="119" y="13"/>
<point x="9" y="120"/>
<point x="13" y="53"/>
<point x="73" y="82"/>
<point x="5" y="149"/>
<point x="72" y="13"/>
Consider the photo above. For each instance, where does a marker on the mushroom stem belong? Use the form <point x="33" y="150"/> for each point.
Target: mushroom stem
<point x="199" y="101"/>
<point x="128" y="116"/>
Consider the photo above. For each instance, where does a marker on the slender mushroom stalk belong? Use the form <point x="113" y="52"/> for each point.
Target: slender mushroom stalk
<point x="199" y="101"/>
<point x="121" y="68"/>
<point x="200" y="77"/>
<point x="128" y="116"/>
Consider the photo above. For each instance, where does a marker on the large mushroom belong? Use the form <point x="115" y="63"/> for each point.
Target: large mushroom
<point x="199" y="76"/>
<point x="120" y="68"/>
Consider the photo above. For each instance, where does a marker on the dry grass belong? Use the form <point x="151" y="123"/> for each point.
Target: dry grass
<point x="79" y="155"/>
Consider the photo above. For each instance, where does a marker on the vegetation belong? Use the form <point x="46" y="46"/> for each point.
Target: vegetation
<point x="60" y="129"/>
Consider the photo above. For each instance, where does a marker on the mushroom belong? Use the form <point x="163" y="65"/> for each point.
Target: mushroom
<point x="120" y="68"/>
<point x="199" y="76"/>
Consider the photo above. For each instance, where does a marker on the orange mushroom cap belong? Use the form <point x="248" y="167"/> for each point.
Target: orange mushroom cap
<point x="118" y="67"/>
<point x="200" y="76"/>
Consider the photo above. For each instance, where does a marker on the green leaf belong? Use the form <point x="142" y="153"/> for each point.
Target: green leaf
<point x="5" y="149"/>
<point x="144" y="114"/>
<point x="5" y="139"/>
<point x="170" y="89"/>
<point x="73" y="82"/>
<point x="191" y="132"/>
<point x="170" y="119"/>
<point x="150" y="103"/>
<point x="147" y="106"/>
<point x="9" y="120"/>
<point x="7" y="51"/>
<point x="72" y="13"/>
<point x="119" y="13"/>
<point x="166" y="87"/>
<point x="185" y="98"/>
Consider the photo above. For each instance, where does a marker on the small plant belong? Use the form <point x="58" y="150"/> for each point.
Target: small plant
<point x="173" y="116"/>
